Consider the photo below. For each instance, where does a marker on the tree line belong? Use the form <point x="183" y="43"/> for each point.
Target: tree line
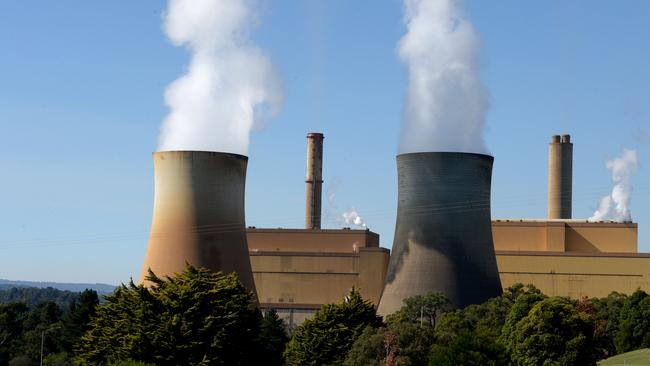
<point x="199" y="317"/>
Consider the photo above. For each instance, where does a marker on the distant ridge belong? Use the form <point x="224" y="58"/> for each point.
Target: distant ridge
<point x="101" y="288"/>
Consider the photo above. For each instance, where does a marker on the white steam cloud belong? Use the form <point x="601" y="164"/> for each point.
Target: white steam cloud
<point x="616" y="206"/>
<point x="351" y="217"/>
<point x="230" y="87"/>
<point x="445" y="102"/>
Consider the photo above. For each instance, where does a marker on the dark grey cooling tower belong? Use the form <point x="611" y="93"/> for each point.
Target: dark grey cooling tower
<point x="443" y="235"/>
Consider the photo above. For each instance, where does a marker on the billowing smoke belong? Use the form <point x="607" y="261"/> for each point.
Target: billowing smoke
<point x="445" y="102"/>
<point x="351" y="217"/>
<point x="230" y="87"/>
<point x="616" y="206"/>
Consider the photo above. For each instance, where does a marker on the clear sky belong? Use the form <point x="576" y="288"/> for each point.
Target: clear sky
<point x="81" y="100"/>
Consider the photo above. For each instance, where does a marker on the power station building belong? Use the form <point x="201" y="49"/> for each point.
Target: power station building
<point x="296" y="271"/>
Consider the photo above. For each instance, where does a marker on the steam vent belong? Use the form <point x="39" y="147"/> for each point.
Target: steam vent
<point x="198" y="214"/>
<point x="443" y="236"/>
<point x="560" y="177"/>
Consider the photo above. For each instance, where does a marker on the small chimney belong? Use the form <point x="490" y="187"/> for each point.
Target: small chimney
<point x="314" y="179"/>
<point x="560" y="177"/>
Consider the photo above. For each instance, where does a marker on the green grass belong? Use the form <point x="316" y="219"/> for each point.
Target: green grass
<point x="639" y="357"/>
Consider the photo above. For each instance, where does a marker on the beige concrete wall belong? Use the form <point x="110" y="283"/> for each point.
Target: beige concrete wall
<point x="299" y="240"/>
<point x="576" y="275"/>
<point x="564" y="235"/>
<point x="318" y="278"/>
<point x="605" y="237"/>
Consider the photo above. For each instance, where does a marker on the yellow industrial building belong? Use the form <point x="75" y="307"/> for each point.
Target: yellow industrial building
<point x="296" y="271"/>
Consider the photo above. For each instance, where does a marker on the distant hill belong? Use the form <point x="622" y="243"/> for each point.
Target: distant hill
<point x="32" y="296"/>
<point x="101" y="288"/>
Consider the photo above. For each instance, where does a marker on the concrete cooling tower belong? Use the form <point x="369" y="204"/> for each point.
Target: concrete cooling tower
<point x="198" y="214"/>
<point x="443" y="236"/>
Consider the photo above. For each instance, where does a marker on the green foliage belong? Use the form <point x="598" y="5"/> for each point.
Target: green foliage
<point x="129" y="363"/>
<point x="328" y="336"/>
<point x="368" y="349"/>
<point x="634" y="323"/>
<point x="58" y="359"/>
<point x="488" y="318"/>
<point x="421" y="309"/>
<point x="606" y="314"/>
<point x="478" y="348"/>
<point x="398" y="344"/>
<point x="75" y="321"/>
<point x="32" y="296"/>
<point x="196" y="317"/>
<point x="12" y="317"/>
<point x="273" y="338"/>
<point x="524" y="298"/>
<point x="553" y="333"/>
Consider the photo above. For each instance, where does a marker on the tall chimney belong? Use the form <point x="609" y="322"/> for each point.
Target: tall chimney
<point x="198" y="214"/>
<point x="560" y="177"/>
<point x="443" y="235"/>
<point x="314" y="179"/>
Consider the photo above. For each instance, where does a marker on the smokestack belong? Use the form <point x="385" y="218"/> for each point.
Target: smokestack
<point x="314" y="179"/>
<point x="198" y="214"/>
<point x="443" y="236"/>
<point x="560" y="177"/>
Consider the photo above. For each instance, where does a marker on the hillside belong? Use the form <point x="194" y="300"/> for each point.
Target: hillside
<point x="101" y="288"/>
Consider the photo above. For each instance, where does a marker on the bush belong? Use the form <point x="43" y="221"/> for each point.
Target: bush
<point x="196" y="317"/>
<point x="328" y="336"/>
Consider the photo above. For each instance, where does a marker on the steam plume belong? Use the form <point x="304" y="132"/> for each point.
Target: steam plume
<point x="445" y="102"/>
<point x="230" y="87"/>
<point x="616" y="206"/>
<point x="351" y="217"/>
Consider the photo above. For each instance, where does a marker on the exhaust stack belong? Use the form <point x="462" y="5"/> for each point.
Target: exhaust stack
<point x="560" y="177"/>
<point x="443" y="236"/>
<point x="198" y="214"/>
<point x="314" y="180"/>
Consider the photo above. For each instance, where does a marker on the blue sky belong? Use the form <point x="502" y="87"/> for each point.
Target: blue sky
<point x="81" y="100"/>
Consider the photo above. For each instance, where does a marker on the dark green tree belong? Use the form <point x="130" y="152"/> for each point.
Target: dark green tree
<point x="196" y="317"/>
<point x="76" y="320"/>
<point x="421" y="309"/>
<point x="607" y="314"/>
<point x="403" y="343"/>
<point x="43" y="320"/>
<point x="12" y="317"/>
<point x="328" y="336"/>
<point x="553" y="333"/>
<point x="471" y="348"/>
<point x="523" y="298"/>
<point x="634" y="323"/>
<point x="273" y="338"/>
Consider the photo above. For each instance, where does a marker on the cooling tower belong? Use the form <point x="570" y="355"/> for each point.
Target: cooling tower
<point x="443" y="235"/>
<point x="198" y="214"/>
<point x="560" y="177"/>
<point x="314" y="180"/>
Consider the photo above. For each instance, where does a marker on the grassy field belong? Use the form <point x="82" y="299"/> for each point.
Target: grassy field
<point x="639" y="357"/>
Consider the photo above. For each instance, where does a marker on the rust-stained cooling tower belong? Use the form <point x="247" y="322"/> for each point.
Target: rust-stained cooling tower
<point x="443" y="235"/>
<point x="314" y="180"/>
<point x="560" y="177"/>
<point x="198" y="214"/>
